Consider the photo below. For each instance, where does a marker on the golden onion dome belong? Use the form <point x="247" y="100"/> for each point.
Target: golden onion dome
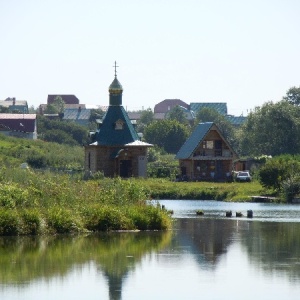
<point x="115" y="87"/>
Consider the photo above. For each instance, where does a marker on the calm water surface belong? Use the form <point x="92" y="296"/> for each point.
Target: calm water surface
<point x="209" y="257"/>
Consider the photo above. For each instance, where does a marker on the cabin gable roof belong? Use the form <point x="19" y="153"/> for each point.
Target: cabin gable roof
<point x="198" y="136"/>
<point x="194" y="140"/>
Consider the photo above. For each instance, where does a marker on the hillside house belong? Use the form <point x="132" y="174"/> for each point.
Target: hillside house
<point x="15" y="106"/>
<point x="19" y="125"/>
<point x="206" y="155"/>
<point x="80" y="116"/>
<point x="116" y="149"/>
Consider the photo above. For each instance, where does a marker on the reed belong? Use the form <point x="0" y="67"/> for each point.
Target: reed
<point x="39" y="202"/>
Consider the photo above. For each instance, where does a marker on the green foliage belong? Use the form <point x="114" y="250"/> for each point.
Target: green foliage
<point x="57" y="107"/>
<point x="96" y="114"/>
<point x="32" y="222"/>
<point x="39" y="154"/>
<point x="107" y="218"/>
<point x="277" y="170"/>
<point x="146" y="118"/>
<point x="291" y="187"/>
<point x="9" y="222"/>
<point x="62" y="132"/>
<point x="37" y="161"/>
<point x="272" y="129"/>
<point x="165" y="166"/>
<point x="59" y="136"/>
<point x="167" y="134"/>
<point x="61" y="220"/>
<point x="166" y="189"/>
<point x="177" y="114"/>
<point x="40" y="202"/>
<point x="293" y="96"/>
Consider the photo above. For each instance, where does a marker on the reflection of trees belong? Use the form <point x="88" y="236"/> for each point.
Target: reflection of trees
<point x="209" y="237"/>
<point x="272" y="246"/>
<point x="23" y="259"/>
<point x="275" y="247"/>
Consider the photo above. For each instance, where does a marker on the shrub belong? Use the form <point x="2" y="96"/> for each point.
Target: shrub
<point x="291" y="187"/>
<point x="9" y="222"/>
<point x="31" y="222"/>
<point x="107" y="218"/>
<point x="61" y="221"/>
<point x="277" y="170"/>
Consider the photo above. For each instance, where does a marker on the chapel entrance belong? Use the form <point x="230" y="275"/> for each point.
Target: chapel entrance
<point x="125" y="168"/>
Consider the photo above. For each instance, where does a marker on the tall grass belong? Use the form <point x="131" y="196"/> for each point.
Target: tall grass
<point x="36" y="202"/>
<point x="231" y="191"/>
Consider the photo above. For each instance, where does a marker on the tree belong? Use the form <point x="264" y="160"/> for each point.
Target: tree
<point x="96" y="114"/>
<point x="146" y="118"/>
<point x="67" y="132"/>
<point x="272" y="129"/>
<point x="57" y="107"/>
<point x="177" y="114"/>
<point x="167" y="134"/>
<point x="59" y="104"/>
<point x="59" y="136"/>
<point x="293" y="96"/>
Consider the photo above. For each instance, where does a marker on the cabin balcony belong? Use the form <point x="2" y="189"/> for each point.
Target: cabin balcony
<point x="213" y="154"/>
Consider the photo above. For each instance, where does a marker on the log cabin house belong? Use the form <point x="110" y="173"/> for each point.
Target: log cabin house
<point x="206" y="155"/>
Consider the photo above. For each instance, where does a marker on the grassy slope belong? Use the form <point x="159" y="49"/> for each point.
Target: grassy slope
<point x="14" y="151"/>
<point x="234" y="191"/>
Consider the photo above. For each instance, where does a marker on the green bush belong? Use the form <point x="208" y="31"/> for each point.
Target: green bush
<point x="61" y="220"/>
<point x="291" y="187"/>
<point x="9" y="222"/>
<point x="107" y="218"/>
<point x="31" y="222"/>
<point x="277" y="170"/>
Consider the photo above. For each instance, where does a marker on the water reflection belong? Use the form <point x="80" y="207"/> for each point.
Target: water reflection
<point x="273" y="247"/>
<point x="24" y="259"/>
<point x="231" y="254"/>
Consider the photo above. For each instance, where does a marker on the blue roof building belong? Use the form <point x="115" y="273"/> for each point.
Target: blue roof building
<point x="206" y="155"/>
<point x="116" y="149"/>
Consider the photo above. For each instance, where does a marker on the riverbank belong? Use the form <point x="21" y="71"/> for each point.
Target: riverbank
<point x="229" y="191"/>
<point x="42" y="202"/>
<point x="33" y="203"/>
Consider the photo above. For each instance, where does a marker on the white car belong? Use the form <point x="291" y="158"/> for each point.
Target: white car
<point x="243" y="176"/>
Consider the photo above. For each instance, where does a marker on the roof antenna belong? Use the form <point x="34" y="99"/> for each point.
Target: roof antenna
<point x="115" y="66"/>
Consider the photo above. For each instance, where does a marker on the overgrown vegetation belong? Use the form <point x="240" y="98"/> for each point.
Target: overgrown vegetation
<point x="282" y="174"/>
<point x="40" y="154"/>
<point x="231" y="191"/>
<point x="33" y="202"/>
<point x="62" y="132"/>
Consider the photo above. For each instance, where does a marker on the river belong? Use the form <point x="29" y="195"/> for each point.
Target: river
<point x="203" y="257"/>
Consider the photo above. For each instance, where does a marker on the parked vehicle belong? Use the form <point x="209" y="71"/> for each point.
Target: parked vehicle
<point x="243" y="176"/>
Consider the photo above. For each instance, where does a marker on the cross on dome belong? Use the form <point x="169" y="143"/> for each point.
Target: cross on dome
<point x="115" y="66"/>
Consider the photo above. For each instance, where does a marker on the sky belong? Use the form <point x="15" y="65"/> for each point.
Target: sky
<point x="244" y="53"/>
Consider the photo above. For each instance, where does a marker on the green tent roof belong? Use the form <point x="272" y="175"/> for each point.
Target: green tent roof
<point x="108" y="135"/>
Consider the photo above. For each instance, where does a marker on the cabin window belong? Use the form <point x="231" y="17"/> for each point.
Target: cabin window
<point x="208" y="144"/>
